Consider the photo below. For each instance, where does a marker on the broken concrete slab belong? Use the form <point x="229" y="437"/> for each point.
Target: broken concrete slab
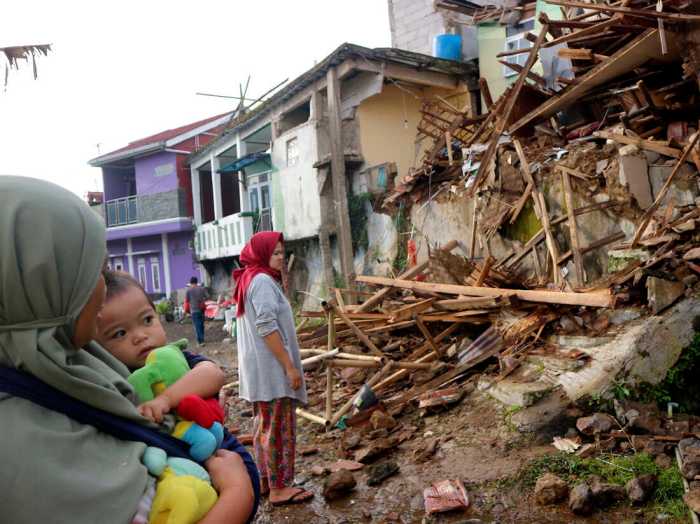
<point x="619" y="259"/>
<point x="633" y="174"/>
<point x="661" y="293"/>
<point x="522" y="394"/>
<point x="683" y="190"/>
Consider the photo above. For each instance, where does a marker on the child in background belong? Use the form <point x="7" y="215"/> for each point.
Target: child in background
<point x="129" y="328"/>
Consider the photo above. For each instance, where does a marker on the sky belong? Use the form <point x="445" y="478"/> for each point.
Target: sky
<point x="120" y="71"/>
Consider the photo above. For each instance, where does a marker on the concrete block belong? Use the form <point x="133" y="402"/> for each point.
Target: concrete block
<point x="522" y="394"/>
<point x="618" y="259"/>
<point x="662" y="293"/>
<point x="633" y="174"/>
<point x="684" y="189"/>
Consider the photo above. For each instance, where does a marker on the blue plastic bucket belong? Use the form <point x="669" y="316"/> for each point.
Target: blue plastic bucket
<point x="448" y="47"/>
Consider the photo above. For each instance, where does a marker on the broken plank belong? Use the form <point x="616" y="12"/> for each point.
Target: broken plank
<point x="593" y="299"/>
<point x="662" y="194"/>
<point x="650" y="145"/>
<point x="587" y="30"/>
<point x="428" y="336"/>
<point x="379" y="296"/>
<point x="573" y="229"/>
<point x="678" y="17"/>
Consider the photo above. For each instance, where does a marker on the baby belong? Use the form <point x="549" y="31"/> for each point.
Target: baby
<point x="129" y="328"/>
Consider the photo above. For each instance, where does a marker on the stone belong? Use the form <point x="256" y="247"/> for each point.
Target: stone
<point x="690" y="455"/>
<point x="640" y="442"/>
<point x="581" y="499"/>
<point x="380" y="472"/>
<point x="308" y="450"/>
<point x="319" y="471"/>
<point x="350" y="441"/>
<point x="678" y="428"/>
<point x="606" y="494"/>
<point x="425" y="450"/>
<point x="661" y="293"/>
<point x="550" y="489"/>
<point x="381" y="420"/>
<point x="656" y="448"/>
<point x="338" y="484"/>
<point x="640" y="489"/>
<point x="664" y="461"/>
<point x="692" y="499"/>
<point x="350" y="465"/>
<point x="618" y="259"/>
<point x="596" y="424"/>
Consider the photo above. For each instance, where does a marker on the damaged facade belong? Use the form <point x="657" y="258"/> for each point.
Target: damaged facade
<point x="356" y="111"/>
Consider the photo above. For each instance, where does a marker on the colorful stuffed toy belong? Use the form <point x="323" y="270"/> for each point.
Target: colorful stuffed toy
<point x="200" y="420"/>
<point x="184" y="494"/>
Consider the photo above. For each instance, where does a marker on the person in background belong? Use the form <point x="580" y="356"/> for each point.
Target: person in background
<point x="194" y="302"/>
<point x="269" y="361"/>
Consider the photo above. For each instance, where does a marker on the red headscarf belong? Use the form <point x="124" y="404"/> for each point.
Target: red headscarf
<point x="255" y="259"/>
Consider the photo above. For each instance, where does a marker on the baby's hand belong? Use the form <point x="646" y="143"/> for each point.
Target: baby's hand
<point x="156" y="408"/>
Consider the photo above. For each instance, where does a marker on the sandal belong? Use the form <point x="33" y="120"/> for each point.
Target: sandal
<point x="301" y="495"/>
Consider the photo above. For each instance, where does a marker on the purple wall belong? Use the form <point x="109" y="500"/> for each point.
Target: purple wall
<point x="117" y="248"/>
<point x="146" y="248"/>
<point x="156" y="173"/>
<point x="182" y="264"/>
<point x="181" y="224"/>
<point x="117" y="183"/>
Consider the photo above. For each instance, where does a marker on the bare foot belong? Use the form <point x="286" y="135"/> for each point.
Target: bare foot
<point x="291" y="495"/>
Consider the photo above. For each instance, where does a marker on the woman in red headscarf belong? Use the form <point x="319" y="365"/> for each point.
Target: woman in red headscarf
<point x="269" y="364"/>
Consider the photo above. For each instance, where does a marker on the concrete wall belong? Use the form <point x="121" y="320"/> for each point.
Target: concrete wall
<point x="295" y="199"/>
<point x="414" y="24"/>
<point x="156" y="173"/>
<point x="492" y="39"/>
<point x="160" y="206"/>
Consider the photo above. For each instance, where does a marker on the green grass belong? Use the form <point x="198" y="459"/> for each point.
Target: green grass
<point x="614" y="469"/>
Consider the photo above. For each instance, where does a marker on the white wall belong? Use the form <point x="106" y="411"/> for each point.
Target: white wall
<point x="296" y="202"/>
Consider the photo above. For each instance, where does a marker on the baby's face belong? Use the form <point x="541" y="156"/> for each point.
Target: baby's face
<point x="129" y="328"/>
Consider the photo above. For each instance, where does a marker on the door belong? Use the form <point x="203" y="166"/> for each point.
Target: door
<point x="260" y="200"/>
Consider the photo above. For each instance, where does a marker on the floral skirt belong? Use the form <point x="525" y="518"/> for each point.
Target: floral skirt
<point x="274" y="441"/>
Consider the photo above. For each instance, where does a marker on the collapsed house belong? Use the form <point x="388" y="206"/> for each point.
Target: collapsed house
<point x="556" y="231"/>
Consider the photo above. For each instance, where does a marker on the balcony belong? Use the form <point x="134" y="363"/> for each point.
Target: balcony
<point x="225" y="237"/>
<point x="139" y="209"/>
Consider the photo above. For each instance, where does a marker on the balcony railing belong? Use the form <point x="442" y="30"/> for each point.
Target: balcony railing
<point x="225" y="237"/>
<point x="122" y="211"/>
<point x="145" y="208"/>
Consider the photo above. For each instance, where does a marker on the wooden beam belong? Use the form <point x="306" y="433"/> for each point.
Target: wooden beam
<point x="589" y="30"/>
<point x="677" y="17"/>
<point x="634" y="54"/>
<point x="340" y="193"/>
<point x="662" y="194"/>
<point x="428" y="337"/>
<point x="573" y="229"/>
<point x="502" y="122"/>
<point x="380" y="295"/>
<point x="650" y="145"/>
<point x="593" y="299"/>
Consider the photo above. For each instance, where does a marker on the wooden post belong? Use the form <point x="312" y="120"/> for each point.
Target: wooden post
<point x="356" y="330"/>
<point x="329" y="392"/>
<point x="340" y="194"/>
<point x="573" y="228"/>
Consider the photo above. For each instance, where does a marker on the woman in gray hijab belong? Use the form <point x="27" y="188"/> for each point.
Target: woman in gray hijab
<point x="54" y="468"/>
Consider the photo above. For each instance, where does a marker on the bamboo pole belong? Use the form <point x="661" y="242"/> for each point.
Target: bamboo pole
<point x="318" y="358"/>
<point x="329" y="392"/>
<point x="370" y="383"/>
<point x="413" y="365"/>
<point x="339" y="363"/>
<point x="356" y="330"/>
<point x="313" y="418"/>
<point x="369" y="358"/>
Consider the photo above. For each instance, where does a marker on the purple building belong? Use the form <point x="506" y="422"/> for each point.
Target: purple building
<point x="148" y="205"/>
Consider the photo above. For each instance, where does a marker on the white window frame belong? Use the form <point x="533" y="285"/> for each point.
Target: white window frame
<point x="511" y="44"/>
<point x="141" y="272"/>
<point x="155" y="274"/>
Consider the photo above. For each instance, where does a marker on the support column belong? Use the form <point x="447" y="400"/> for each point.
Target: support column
<point x="130" y="258"/>
<point x="216" y="187"/>
<point x="196" y="196"/>
<point x="241" y="151"/>
<point x="166" y="263"/>
<point x="340" y="195"/>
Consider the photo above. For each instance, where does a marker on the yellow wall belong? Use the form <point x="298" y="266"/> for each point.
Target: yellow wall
<point x="383" y="135"/>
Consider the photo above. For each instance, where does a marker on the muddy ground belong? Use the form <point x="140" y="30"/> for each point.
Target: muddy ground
<point x="476" y="444"/>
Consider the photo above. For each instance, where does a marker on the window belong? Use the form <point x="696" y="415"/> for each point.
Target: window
<point x="155" y="274"/>
<point x="514" y="43"/>
<point x="142" y="272"/>
<point x="295" y="117"/>
<point x="118" y="264"/>
<point x="292" y="152"/>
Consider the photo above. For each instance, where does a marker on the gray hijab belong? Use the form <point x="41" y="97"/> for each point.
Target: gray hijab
<point x="52" y="247"/>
